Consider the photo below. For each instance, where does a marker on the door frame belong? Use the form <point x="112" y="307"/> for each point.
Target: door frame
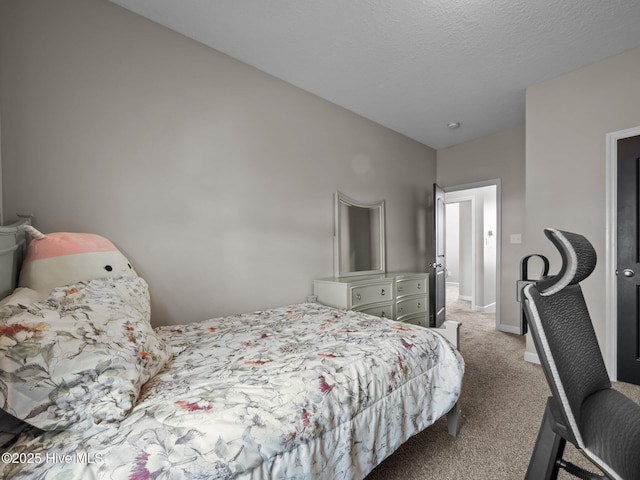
<point x="611" y="298"/>
<point x="498" y="184"/>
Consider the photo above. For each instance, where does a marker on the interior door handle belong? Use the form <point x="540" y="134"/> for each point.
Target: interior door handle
<point x="435" y="265"/>
<point x="627" y="272"/>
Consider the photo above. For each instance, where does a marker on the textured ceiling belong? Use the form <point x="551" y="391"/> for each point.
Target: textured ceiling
<point x="411" y="65"/>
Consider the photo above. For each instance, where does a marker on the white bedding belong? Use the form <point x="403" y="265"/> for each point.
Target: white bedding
<point x="303" y="391"/>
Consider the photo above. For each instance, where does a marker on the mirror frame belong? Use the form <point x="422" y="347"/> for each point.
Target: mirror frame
<point x="340" y="200"/>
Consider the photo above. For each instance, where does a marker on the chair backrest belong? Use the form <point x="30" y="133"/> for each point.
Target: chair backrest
<point x="562" y="330"/>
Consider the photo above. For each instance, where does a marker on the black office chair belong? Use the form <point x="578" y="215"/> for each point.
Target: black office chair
<point x="602" y="423"/>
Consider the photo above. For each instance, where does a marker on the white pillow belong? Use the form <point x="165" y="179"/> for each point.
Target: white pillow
<point x="81" y="357"/>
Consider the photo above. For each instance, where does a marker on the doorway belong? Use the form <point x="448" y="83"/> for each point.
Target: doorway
<point x="621" y="290"/>
<point x="472" y="247"/>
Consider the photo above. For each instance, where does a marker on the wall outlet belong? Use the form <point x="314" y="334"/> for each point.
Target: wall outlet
<point x="516" y="238"/>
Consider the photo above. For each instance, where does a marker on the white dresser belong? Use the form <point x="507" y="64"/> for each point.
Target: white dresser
<point x="398" y="296"/>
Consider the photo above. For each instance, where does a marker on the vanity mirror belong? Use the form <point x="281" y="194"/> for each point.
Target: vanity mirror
<point x="359" y="237"/>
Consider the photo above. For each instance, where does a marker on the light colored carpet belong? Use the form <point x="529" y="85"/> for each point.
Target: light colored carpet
<point x="503" y="399"/>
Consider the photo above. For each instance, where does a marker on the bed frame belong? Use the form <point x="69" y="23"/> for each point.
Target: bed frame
<point x="451" y="331"/>
<point x="13" y="243"/>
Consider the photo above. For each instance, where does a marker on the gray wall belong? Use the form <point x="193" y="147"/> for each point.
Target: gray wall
<point x="567" y="120"/>
<point x="215" y="179"/>
<point x="502" y="156"/>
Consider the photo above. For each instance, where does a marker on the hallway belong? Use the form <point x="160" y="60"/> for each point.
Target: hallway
<point x="460" y="310"/>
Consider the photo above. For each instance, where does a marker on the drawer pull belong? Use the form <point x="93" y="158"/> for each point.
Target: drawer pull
<point x="358" y="296"/>
<point x="383" y="315"/>
<point x="419" y="305"/>
<point x="419" y="286"/>
<point x="382" y="292"/>
<point x="399" y="289"/>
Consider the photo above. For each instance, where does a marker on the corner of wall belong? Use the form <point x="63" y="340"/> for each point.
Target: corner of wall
<point x="1" y="204"/>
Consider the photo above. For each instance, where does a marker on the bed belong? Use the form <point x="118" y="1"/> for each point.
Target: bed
<point x="299" y="391"/>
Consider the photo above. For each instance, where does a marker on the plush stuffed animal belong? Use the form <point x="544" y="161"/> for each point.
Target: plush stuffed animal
<point x="59" y="259"/>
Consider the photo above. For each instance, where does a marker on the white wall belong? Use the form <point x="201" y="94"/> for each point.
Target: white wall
<point x="459" y="238"/>
<point x="466" y="251"/>
<point x="452" y="245"/>
<point x="567" y="120"/>
<point x="489" y="247"/>
<point x="215" y="179"/>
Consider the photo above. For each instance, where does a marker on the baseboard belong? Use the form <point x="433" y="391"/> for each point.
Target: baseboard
<point x="531" y="357"/>
<point x="464" y="297"/>
<point x="509" y="329"/>
<point x="487" y="308"/>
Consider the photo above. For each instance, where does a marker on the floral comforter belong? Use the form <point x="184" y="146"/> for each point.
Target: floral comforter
<point x="304" y="391"/>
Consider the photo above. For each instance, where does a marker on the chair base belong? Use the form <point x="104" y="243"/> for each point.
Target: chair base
<point x="546" y="459"/>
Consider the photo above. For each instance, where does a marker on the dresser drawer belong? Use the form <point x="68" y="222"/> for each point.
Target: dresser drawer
<point x="411" y="306"/>
<point x="373" y="293"/>
<point x="411" y="286"/>
<point x="420" y="320"/>
<point x="384" y="311"/>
